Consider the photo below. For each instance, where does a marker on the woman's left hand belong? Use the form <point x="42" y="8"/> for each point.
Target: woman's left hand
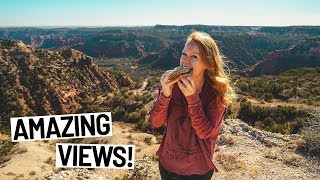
<point x="186" y="85"/>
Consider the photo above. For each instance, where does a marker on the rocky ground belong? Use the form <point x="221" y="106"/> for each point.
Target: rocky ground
<point x="242" y="152"/>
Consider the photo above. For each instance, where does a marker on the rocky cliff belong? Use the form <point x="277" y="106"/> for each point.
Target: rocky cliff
<point x="39" y="82"/>
<point x="305" y="53"/>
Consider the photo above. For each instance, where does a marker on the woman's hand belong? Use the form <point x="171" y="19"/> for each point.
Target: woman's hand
<point x="166" y="84"/>
<point x="187" y="86"/>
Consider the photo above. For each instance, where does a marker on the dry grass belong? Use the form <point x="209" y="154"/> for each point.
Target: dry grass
<point x="288" y="159"/>
<point x="57" y="170"/>
<point x="50" y="161"/>
<point x="254" y="171"/>
<point x="271" y="154"/>
<point x="217" y="148"/>
<point x="6" y="147"/>
<point x="292" y="160"/>
<point x="4" y="159"/>
<point x="301" y="144"/>
<point x="32" y="173"/>
<point x="130" y="139"/>
<point x="6" y="151"/>
<point x="229" y="162"/>
<point x="19" y="150"/>
<point x="10" y="174"/>
<point x="20" y="176"/>
<point x="268" y="143"/>
<point x="227" y="140"/>
<point x="153" y="157"/>
<point x="4" y="138"/>
<point x="311" y="142"/>
<point x="233" y="110"/>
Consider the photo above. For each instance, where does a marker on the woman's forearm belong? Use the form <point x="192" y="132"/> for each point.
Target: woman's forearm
<point x="159" y="111"/>
<point x="205" y="124"/>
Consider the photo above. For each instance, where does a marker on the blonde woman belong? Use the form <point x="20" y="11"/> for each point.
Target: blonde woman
<point x="192" y="108"/>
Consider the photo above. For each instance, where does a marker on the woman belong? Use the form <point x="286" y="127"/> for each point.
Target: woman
<point x="192" y="109"/>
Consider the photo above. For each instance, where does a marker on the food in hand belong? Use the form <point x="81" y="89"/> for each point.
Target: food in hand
<point x="179" y="72"/>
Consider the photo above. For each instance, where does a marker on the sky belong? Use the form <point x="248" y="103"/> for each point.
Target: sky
<point x="152" y="12"/>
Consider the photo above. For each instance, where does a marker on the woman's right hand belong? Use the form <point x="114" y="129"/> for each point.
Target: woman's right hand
<point x="166" y="84"/>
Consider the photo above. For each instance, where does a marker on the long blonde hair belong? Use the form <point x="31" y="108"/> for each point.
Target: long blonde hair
<point x="214" y="64"/>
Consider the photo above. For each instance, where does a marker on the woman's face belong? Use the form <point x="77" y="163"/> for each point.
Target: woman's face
<point x="191" y="57"/>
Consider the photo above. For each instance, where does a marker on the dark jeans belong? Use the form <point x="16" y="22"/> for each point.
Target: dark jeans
<point x="167" y="175"/>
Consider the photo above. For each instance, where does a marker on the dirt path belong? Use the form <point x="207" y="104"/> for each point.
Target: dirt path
<point x="142" y="88"/>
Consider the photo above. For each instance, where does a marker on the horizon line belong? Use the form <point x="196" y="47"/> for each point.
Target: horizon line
<point x="101" y="26"/>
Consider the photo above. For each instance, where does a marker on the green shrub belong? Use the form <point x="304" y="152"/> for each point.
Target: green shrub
<point x="282" y="119"/>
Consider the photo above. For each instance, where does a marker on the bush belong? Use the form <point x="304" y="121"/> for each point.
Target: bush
<point x="268" y="97"/>
<point x="281" y="119"/>
<point x="300" y="84"/>
<point x="148" y="140"/>
<point x="312" y="141"/>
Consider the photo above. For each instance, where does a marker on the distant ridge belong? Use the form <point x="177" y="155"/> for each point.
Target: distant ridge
<point x="243" y="46"/>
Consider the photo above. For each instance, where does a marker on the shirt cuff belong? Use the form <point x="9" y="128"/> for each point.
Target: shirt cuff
<point x="164" y="100"/>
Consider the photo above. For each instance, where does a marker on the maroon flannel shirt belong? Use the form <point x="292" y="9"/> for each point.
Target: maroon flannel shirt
<point x="193" y="124"/>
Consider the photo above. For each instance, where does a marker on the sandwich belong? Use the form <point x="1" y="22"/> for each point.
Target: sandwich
<point x="179" y="72"/>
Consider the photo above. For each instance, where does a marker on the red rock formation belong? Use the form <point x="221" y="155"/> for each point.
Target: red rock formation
<point x="47" y="82"/>
<point x="306" y="53"/>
